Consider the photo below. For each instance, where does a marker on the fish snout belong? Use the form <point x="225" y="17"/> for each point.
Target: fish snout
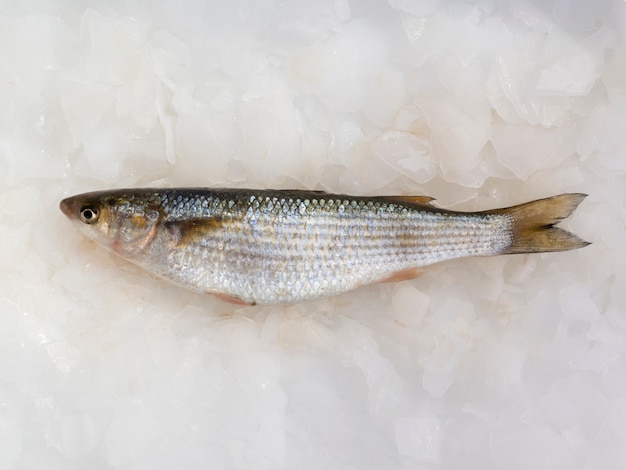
<point x="69" y="207"/>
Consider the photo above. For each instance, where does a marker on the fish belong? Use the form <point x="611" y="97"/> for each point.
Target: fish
<point x="252" y="246"/>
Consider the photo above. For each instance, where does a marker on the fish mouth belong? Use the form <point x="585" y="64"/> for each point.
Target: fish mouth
<point x="69" y="206"/>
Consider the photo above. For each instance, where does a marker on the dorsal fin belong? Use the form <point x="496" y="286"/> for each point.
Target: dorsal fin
<point x="420" y="200"/>
<point x="424" y="200"/>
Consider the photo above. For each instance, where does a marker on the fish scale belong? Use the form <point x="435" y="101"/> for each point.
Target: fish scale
<point x="261" y="253"/>
<point x="273" y="246"/>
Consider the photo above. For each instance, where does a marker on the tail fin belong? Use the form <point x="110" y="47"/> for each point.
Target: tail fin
<point x="534" y="223"/>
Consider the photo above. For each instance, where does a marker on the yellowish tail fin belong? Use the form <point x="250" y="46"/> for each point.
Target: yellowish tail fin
<point x="534" y="223"/>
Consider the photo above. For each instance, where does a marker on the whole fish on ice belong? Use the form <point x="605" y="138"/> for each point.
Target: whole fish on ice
<point x="273" y="246"/>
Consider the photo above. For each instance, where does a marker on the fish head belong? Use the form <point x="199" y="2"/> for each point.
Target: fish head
<point x="123" y="223"/>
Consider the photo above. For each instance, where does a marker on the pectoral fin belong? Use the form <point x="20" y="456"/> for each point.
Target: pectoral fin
<point x="184" y="232"/>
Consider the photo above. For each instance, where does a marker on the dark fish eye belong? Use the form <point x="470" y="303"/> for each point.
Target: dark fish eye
<point x="88" y="214"/>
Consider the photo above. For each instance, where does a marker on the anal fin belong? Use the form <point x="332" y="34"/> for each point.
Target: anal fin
<point x="403" y="275"/>
<point x="231" y="299"/>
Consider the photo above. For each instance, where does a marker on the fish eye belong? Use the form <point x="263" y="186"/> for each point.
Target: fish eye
<point x="88" y="214"/>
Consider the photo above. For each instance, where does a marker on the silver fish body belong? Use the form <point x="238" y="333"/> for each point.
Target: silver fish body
<point x="272" y="246"/>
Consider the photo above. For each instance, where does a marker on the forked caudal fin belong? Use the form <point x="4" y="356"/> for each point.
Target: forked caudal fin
<point x="533" y="225"/>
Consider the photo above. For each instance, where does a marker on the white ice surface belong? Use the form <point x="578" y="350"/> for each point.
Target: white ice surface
<point x="506" y="363"/>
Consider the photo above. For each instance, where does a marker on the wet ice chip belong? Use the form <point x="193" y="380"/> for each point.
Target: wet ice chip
<point x="130" y="434"/>
<point x="406" y="153"/>
<point x="576" y="400"/>
<point x="459" y="132"/>
<point x="26" y="155"/>
<point x="111" y="47"/>
<point x="513" y="85"/>
<point x="410" y="305"/>
<point x="567" y="67"/>
<point x="415" y="7"/>
<point x="345" y="136"/>
<point x="313" y="63"/>
<point x="84" y="104"/>
<point x="576" y="304"/>
<point x="11" y="439"/>
<point x="437" y="382"/>
<point x="19" y="201"/>
<point x="270" y="134"/>
<point x="543" y="448"/>
<point x="342" y="10"/>
<point x="386" y="96"/>
<point x="414" y="28"/>
<point x="270" y="441"/>
<point x="512" y="360"/>
<point x="572" y="76"/>
<point x="419" y="438"/>
<point x="527" y="149"/>
<point x="602" y="135"/>
<point x="328" y="67"/>
<point x="64" y="355"/>
<point x="80" y="435"/>
<point x="105" y="153"/>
